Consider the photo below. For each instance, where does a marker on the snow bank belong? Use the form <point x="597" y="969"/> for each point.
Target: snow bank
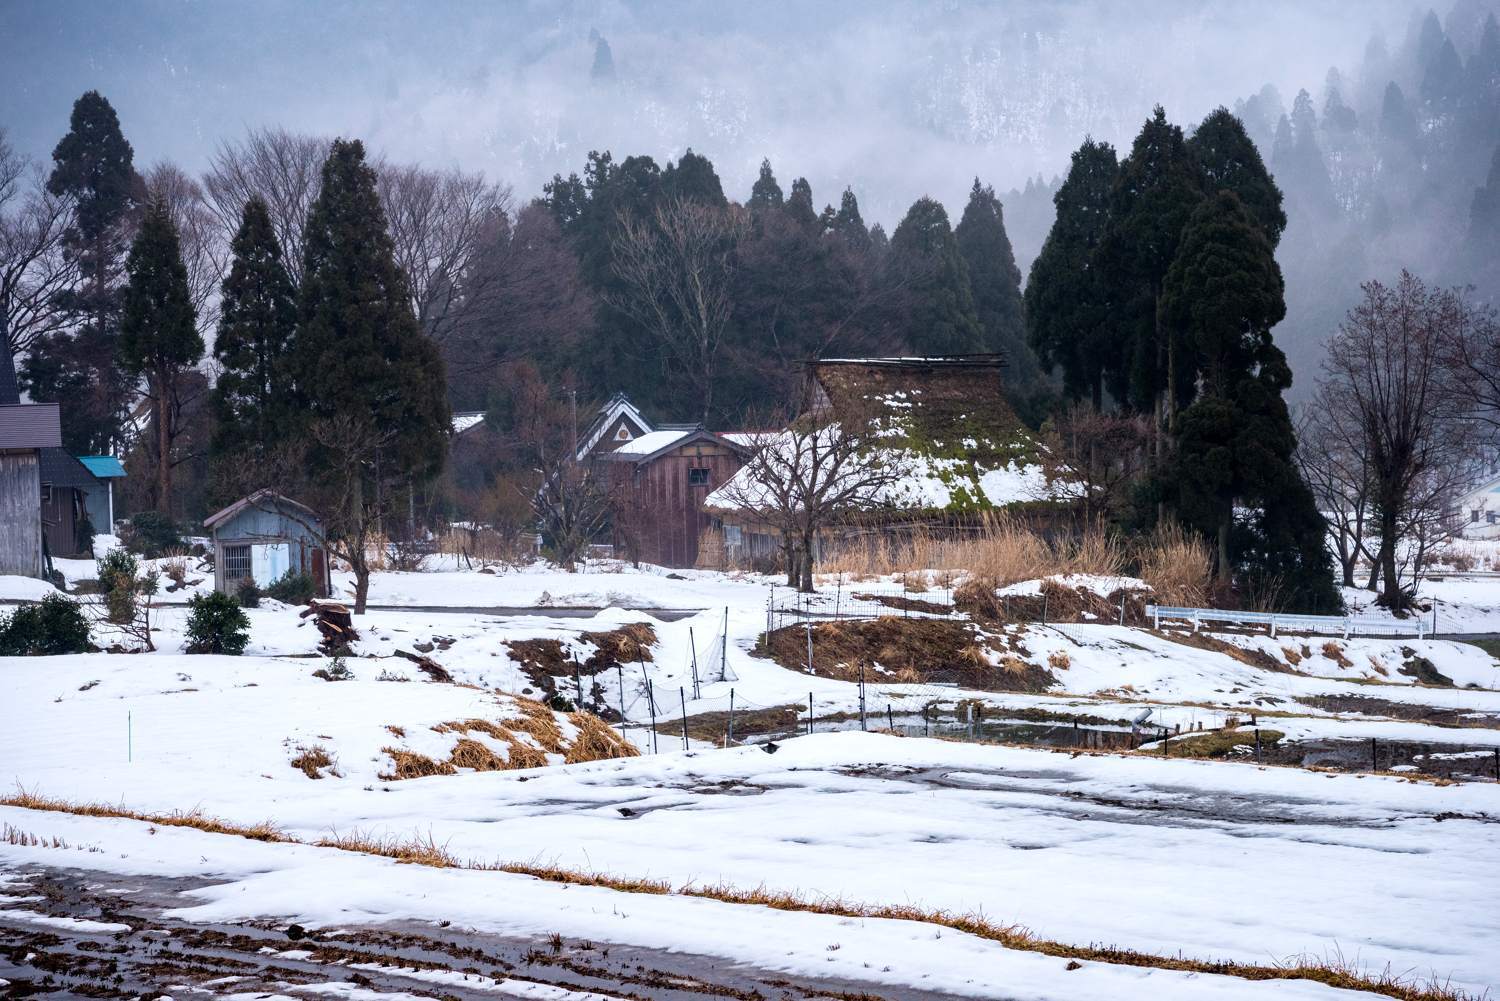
<point x="1098" y="584"/>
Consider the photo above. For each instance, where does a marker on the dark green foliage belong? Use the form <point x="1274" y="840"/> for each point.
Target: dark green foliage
<point x="848" y="225"/>
<point x="117" y="572"/>
<point x="247" y="594"/>
<point x="357" y="354"/>
<point x="158" y="332"/>
<point x="799" y="205"/>
<point x="53" y="626"/>
<point x="1398" y="124"/>
<point x="336" y="671"/>
<point x="151" y="534"/>
<point x="1224" y="292"/>
<point x="1154" y="193"/>
<point x="995" y="282"/>
<point x="92" y="165"/>
<point x="941" y="318"/>
<point x="293" y="588"/>
<point x="1068" y="314"/>
<point x="257" y="319"/>
<point x="765" y="194"/>
<point x="216" y="624"/>
<point x="1228" y="160"/>
<point x="159" y="338"/>
<point x="693" y="178"/>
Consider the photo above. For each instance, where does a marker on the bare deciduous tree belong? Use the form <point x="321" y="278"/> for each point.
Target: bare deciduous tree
<point x="802" y="480"/>
<point x="440" y="222"/>
<point x="204" y="243"/>
<point x="34" y="268"/>
<point x="1385" y="364"/>
<point x="284" y="168"/>
<point x="678" y="269"/>
<point x="1331" y="455"/>
<point x="1104" y="454"/>
<point x="1471" y="352"/>
<point x="572" y="505"/>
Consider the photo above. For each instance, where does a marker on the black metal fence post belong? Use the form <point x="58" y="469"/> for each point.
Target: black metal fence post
<point x="890" y="718"/>
<point x="620" y="677"/>
<point x="651" y="700"/>
<point x="809" y="714"/>
<point x="731" y="718"/>
<point x="682" y="697"/>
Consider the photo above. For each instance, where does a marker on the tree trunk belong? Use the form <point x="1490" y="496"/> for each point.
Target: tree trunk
<point x="1390" y="596"/>
<point x="806" y="584"/>
<point x="163" y="449"/>
<point x="789" y="550"/>
<point x="361" y="584"/>
<point x="1224" y="550"/>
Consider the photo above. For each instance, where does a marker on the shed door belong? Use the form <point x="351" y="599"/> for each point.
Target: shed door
<point x="269" y="563"/>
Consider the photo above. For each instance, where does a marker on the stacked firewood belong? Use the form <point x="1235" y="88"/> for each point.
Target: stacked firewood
<point x="335" y="623"/>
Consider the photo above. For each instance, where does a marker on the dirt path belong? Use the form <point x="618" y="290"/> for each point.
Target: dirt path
<point x="82" y="933"/>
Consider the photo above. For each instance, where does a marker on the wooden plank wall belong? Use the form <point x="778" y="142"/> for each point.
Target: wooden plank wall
<point x="20" y="514"/>
<point x="665" y="512"/>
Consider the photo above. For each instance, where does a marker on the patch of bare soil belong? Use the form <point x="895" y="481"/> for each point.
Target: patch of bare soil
<point x="277" y="959"/>
<point x="1369" y="705"/>
<point x="907" y="651"/>
<point x="1255" y="658"/>
<point x="546" y="660"/>
<point x="1055" y="603"/>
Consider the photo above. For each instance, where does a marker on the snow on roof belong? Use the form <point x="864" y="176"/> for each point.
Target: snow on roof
<point x="653" y="441"/>
<point x="463" y="421"/>
<point x="618" y="405"/>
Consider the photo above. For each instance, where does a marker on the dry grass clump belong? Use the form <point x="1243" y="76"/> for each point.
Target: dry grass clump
<point x="1177" y="564"/>
<point x="312" y="760"/>
<point x="1001" y="550"/>
<point x="529" y="738"/>
<point x="196" y="819"/>
<point x="1335" y="653"/>
<point x="596" y="741"/>
<point x="1059" y="660"/>
<point x="414" y="850"/>
<point x="410" y="765"/>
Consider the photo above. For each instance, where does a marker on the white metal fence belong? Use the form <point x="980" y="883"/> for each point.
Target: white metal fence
<point x="1274" y="622"/>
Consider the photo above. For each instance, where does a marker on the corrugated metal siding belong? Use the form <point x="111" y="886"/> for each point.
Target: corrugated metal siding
<point x="30" y="425"/>
<point x="20" y="515"/>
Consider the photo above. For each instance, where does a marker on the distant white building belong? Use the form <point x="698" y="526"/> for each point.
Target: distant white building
<point x="1479" y="510"/>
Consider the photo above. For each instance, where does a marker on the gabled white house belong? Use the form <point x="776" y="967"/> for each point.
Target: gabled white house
<point x="1479" y="510"/>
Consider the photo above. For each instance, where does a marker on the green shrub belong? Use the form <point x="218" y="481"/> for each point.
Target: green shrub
<point x="151" y="534"/>
<point x="337" y="671"/>
<point x="292" y="587"/>
<point x="53" y="626"/>
<point x="216" y="624"/>
<point x="248" y="593"/>
<point x="117" y="572"/>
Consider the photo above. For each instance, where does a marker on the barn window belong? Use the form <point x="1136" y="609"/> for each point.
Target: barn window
<point x="698" y="477"/>
<point x="1490" y="517"/>
<point x="236" y="563"/>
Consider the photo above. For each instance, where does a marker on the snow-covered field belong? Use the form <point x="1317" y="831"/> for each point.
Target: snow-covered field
<point x="1212" y="859"/>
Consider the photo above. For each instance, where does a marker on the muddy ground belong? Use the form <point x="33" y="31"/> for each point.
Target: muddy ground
<point x="161" y="955"/>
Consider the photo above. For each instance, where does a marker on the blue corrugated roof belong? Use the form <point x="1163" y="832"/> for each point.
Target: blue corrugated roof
<point x="103" y="466"/>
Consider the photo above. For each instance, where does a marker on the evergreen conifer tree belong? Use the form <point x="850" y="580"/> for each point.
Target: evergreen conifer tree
<point x="1155" y="192"/>
<point x="1228" y="161"/>
<point x="848" y="224"/>
<point x="799" y="205"/>
<point x="257" y="318"/>
<point x="765" y="194"/>
<point x="159" y="337"/>
<point x="1067" y="301"/>
<point x="1235" y="442"/>
<point x="941" y="319"/>
<point x="359" y="362"/>
<point x="693" y="178"/>
<point x="92" y="165"/>
<point x="995" y="282"/>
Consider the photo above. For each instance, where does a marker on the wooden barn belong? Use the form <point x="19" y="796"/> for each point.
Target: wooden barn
<point x="262" y="537"/>
<point x="659" y="481"/>
<point x="67" y="488"/>
<point x="26" y="430"/>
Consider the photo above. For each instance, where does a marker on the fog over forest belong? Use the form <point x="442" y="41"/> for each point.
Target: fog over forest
<point x="895" y="100"/>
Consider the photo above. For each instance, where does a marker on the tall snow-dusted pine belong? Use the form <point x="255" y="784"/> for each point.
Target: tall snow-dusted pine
<point x="159" y="337"/>
<point x="257" y="317"/>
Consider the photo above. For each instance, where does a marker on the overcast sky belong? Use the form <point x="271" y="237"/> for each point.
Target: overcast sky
<point x="898" y="99"/>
